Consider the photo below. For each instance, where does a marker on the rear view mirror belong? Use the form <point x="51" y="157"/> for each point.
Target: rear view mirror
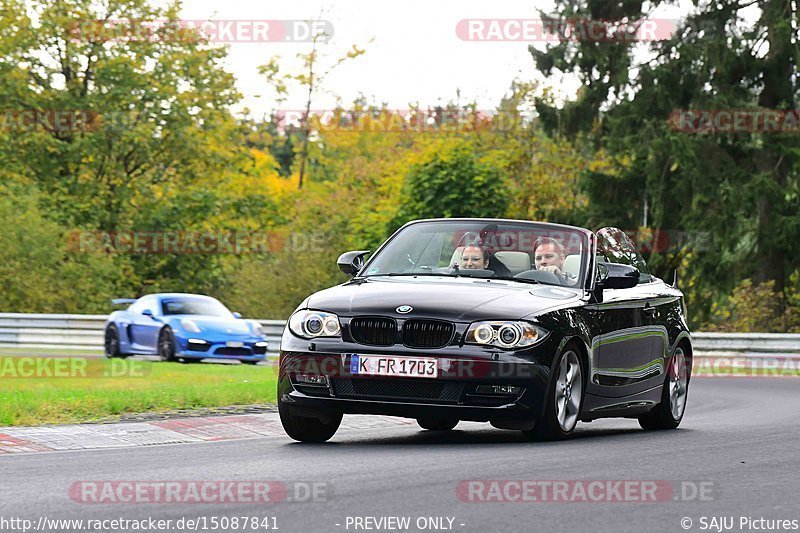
<point x="351" y="262"/>
<point x="617" y="276"/>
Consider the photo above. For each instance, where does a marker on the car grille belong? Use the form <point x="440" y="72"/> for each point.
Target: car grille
<point x="312" y="390"/>
<point x="232" y="351"/>
<point x="198" y="347"/>
<point x="375" y="331"/>
<point x="427" y="333"/>
<point x="398" y="389"/>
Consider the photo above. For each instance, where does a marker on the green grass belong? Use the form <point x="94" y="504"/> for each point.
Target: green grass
<point x="91" y="389"/>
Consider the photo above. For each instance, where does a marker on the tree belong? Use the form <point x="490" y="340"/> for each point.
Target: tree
<point x="741" y="187"/>
<point x="155" y="107"/>
<point x="452" y="181"/>
<point x="311" y="78"/>
<point x="149" y="143"/>
<point x="40" y="274"/>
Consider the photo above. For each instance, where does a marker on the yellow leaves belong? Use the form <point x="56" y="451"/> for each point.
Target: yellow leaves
<point x="278" y="186"/>
<point x="547" y="183"/>
<point x="625" y="161"/>
<point x="603" y="162"/>
<point x="751" y="307"/>
<point x="262" y="163"/>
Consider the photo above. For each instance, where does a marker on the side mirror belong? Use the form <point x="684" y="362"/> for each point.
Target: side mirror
<point x="351" y="262"/>
<point x="237" y="315"/>
<point x="147" y="312"/>
<point x="617" y="276"/>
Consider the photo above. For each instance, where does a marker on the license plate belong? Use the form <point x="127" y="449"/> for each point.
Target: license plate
<point x="387" y="365"/>
<point x="234" y="344"/>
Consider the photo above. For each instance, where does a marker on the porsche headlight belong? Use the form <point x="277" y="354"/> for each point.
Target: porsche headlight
<point x="190" y="326"/>
<point x="511" y="334"/>
<point x="311" y="324"/>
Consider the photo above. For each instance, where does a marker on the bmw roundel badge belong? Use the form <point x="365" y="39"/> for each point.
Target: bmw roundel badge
<point x="403" y="309"/>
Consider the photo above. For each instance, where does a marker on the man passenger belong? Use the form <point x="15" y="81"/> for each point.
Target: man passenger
<point x="549" y="256"/>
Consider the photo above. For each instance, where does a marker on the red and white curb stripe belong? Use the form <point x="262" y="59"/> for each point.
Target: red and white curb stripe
<point x="174" y="431"/>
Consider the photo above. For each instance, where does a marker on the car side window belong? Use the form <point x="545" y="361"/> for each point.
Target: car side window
<point x="614" y="246"/>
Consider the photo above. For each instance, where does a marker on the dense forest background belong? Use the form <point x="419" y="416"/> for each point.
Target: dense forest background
<point x="162" y="152"/>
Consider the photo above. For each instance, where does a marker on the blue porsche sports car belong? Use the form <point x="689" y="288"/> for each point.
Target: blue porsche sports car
<point x="186" y="327"/>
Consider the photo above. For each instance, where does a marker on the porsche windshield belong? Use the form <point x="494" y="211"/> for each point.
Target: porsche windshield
<point x="194" y="306"/>
<point x="528" y="252"/>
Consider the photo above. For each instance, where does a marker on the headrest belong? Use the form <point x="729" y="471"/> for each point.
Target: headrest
<point x="515" y="261"/>
<point x="456" y="259"/>
<point x="572" y="263"/>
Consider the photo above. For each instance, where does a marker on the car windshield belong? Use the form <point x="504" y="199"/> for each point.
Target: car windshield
<point x="527" y="252"/>
<point x="194" y="306"/>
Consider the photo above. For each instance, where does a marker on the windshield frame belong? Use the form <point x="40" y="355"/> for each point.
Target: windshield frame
<point x="586" y="236"/>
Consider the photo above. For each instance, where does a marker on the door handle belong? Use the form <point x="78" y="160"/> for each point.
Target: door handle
<point x="648" y="310"/>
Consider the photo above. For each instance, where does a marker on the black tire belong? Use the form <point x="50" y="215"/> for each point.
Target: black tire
<point x="306" y="429"/>
<point x="249" y="362"/>
<point x="437" y="424"/>
<point x="166" y="344"/>
<point x="559" y="422"/>
<point x="111" y="343"/>
<point x="667" y="414"/>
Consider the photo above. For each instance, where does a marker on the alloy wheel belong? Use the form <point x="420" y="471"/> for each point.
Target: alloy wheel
<point x="569" y="389"/>
<point x="678" y="384"/>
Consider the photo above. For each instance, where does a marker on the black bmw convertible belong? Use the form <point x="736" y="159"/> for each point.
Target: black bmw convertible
<point x="528" y="326"/>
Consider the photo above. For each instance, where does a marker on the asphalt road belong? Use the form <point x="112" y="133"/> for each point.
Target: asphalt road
<point x="738" y="441"/>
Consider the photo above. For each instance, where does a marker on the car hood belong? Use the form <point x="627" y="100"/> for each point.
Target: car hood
<point x="218" y="325"/>
<point x="458" y="299"/>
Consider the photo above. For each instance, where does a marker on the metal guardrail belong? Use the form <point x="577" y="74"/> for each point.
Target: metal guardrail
<point x="85" y="333"/>
<point x="747" y="345"/>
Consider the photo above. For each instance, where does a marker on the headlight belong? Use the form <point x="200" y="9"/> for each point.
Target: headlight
<point x="189" y="325"/>
<point x="511" y="334"/>
<point x="311" y="324"/>
<point x="257" y="329"/>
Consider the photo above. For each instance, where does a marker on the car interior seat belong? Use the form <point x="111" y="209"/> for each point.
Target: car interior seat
<point x="456" y="259"/>
<point x="515" y="261"/>
<point x="572" y="264"/>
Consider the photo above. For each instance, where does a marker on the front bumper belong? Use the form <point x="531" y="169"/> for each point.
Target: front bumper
<point x="219" y="349"/>
<point x="453" y="394"/>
